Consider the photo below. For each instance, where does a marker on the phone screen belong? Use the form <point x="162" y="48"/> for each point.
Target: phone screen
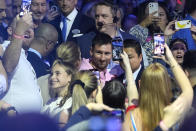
<point x="159" y="44"/>
<point x="117" y="48"/>
<point x="25" y="7"/>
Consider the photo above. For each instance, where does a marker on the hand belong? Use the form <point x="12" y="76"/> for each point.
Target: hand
<point x="150" y="19"/>
<point x="4" y="106"/>
<point x="126" y="61"/>
<point x="23" y="23"/>
<point x="168" y="55"/>
<point x="51" y="15"/>
<point x="98" y="107"/>
<point x="169" y="29"/>
<point x="175" y="112"/>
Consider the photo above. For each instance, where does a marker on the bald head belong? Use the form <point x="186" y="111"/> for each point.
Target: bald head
<point x="45" y="38"/>
<point x="47" y="31"/>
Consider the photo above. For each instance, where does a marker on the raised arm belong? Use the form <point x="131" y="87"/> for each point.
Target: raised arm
<point x="132" y="92"/>
<point x="12" y="53"/>
<point x="181" y="78"/>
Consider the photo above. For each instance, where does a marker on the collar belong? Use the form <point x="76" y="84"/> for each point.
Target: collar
<point x="135" y="74"/>
<point x="72" y="15"/>
<point x="36" y="52"/>
<point x="119" y="34"/>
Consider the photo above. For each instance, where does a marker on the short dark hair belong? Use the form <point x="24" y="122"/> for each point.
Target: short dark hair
<point x="114" y="94"/>
<point x="178" y="39"/>
<point x="101" y="39"/>
<point x="190" y="6"/>
<point x="112" y="6"/>
<point x="189" y="60"/>
<point x="131" y="43"/>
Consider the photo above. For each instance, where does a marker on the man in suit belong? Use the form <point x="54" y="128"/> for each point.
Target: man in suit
<point x="72" y="23"/>
<point x="106" y="21"/>
<point x="133" y="49"/>
<point x="2" y="16"/>
<point x="45" y="39"/>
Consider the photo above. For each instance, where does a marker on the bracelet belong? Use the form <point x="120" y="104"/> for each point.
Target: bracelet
<point x="18" y="36"/>
<point x="11" y="108"/>
<point x="163" y="126"/>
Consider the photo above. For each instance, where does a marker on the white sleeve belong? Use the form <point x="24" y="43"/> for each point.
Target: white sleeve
<point x="3" y="84"/>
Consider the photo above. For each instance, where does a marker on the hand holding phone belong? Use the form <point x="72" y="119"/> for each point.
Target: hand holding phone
<point x="184" y="24"/>
<point x="25" y="7"/>
<point x="159" y="44"/>
<point x="153" y="7"/>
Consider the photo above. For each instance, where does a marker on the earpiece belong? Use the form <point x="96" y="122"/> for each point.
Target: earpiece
<point x="115" y="19"/>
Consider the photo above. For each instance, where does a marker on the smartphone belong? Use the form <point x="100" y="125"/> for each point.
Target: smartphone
<point x="118" y="113"/>
<point x="25" y="7"/>
<point x="153" y="6"/>
<point x="183" y="24"/>
<point x="117" y="48"/>
<point x="53" y="6"/>
<point x="159" y="42"/>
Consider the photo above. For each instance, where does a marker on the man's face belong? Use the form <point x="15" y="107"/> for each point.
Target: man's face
<point x="9" y="9"/>
<point x="101" y="56"/>
<point x="16" y="7"/>
<point x="29" y="35"/>
<point x="67" y="6"/>
<point x="2" y="10"/>
<point x="134" y="59"/>
<point x="39" y="9"/>
<point x="178" y="51"/>
<point x="104" y="15"/>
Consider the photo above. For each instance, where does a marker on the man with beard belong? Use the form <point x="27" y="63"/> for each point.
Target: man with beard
<point x="101" y="55"/>
<point x="23" y="93"/>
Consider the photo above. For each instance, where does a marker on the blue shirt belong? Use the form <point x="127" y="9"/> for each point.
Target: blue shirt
<point x="186" y="34"/>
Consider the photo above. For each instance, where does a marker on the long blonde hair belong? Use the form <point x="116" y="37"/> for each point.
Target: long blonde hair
<point x="81" y="95"/>
<point x="155" y="94"/>
<point x="70" y="70"/>
<point x="69" y="52"/>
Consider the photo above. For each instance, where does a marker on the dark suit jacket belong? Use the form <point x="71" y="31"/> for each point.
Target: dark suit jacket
<point x="122" y="77"/>
<point x="82" y="22"/>
<point x="3" y="34"/>
<point x="85" y="42"/>
<point x="38" y="64"/>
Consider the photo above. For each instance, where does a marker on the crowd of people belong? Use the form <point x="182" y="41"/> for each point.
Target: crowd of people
<point x="58" y="71"/>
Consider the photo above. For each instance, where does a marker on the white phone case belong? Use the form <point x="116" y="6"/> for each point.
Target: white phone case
<point x="153" y="6"/>
<point x="183" y="24"/>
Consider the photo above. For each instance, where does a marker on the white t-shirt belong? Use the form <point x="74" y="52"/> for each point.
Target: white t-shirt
<point x="23" y="91"/>
<point x="52" y="107"/>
